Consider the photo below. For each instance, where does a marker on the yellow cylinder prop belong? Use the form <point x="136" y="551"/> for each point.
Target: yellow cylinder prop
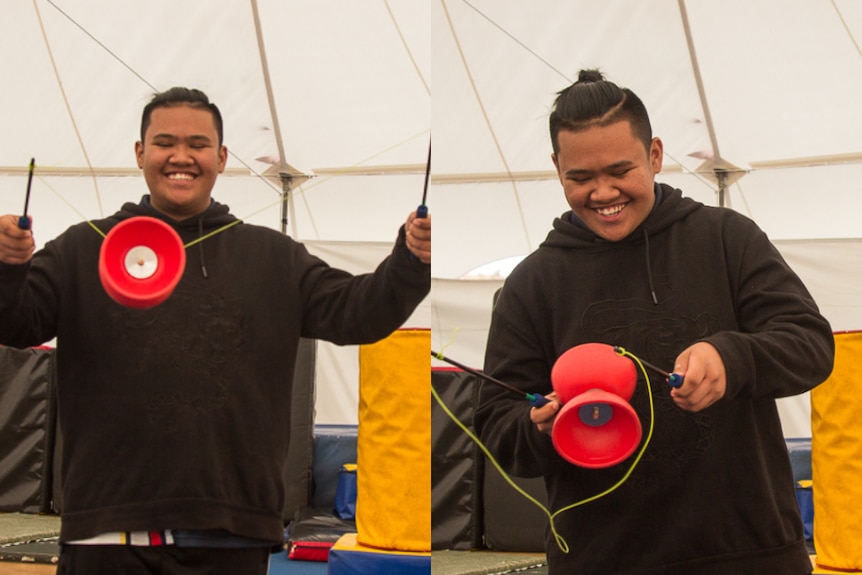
<point x="393" y="476"/>
<point x="836" y="459"/>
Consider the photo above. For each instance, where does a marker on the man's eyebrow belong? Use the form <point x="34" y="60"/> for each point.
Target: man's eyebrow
<point x="608" y="168"/>
<point x="194" y="137"/>
<point x="620" y="164"/>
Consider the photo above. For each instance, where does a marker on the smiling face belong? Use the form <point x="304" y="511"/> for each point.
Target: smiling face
<point x="608" y="177"/>
<point x="181" y="158"/>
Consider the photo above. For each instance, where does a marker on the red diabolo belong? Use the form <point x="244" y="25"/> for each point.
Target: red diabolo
<point x="141" y="261"/>
<point x="596" y="427"/>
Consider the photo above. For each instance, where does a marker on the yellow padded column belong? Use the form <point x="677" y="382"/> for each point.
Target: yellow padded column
<point x="393" y="477"/>
<point x="836" y="459"/>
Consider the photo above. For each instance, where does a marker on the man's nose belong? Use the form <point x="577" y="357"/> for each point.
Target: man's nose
<point x="181" y="155"/>
<point x="605" y="190"/>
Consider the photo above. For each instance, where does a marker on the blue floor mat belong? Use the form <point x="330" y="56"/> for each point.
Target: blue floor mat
<point x="279" y="564"/>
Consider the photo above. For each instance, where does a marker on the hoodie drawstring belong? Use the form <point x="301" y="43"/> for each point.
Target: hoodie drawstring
<point x="649" y="268"/>
<point x="201" y="247"/>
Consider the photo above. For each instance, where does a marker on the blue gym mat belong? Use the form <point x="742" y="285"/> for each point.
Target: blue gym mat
<point x="279" y="564"/>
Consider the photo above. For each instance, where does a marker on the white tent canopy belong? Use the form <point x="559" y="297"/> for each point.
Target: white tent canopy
<point x="340" y="91"/>
<point x="764" y="91"/>
<point x="780" y="88"/>
<point x="336" y="88"/>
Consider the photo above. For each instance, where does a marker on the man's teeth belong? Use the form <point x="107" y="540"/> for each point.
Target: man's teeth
<point x="180" y="176"/>
<point x="612" y="210"/>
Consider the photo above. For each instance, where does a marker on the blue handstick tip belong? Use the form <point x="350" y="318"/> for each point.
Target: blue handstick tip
<point x="24" y="223"/>
<point x="675" y="380"/>
<point x="537" y="400"/>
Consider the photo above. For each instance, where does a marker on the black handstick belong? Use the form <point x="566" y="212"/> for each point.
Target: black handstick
<point x="24" y="221"/>
<point x="422" y="210"/>
<point x="673" y="379"/>
<point x="535" y="399"/>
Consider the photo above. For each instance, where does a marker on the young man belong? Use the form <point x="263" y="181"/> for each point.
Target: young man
<point x="701" y="289"/>
<point x="167" y="412"/>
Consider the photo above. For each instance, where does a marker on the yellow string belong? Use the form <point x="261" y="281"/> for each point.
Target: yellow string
<point x="505" y="476"/>
<point x="440" y="355"/>
<point x="73" y="208"/>
<point x="561" y="542"/>
<point x="316" y="182"/>
<point x="212" y="233"/>
<point x="263" y="209"/>
<point x="640" y="454"/>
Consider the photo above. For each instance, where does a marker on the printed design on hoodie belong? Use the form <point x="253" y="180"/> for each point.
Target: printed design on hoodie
<point x="203" y="367"/>
<point x="664" y="330"/>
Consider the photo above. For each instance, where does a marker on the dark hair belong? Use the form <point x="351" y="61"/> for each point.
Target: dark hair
<point x="594" y="101"/>
<point x="182" y="97"/>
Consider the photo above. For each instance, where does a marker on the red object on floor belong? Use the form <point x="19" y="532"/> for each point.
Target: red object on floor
<point x="309" y="550"/>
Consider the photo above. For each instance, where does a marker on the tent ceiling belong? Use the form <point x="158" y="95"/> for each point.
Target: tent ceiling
<point x="351" y="87"/>
<point x="780" y="80"/>
<point x="349" y="82"/>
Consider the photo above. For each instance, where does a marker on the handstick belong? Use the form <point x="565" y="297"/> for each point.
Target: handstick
<point x="673" y="379"/>
<point x="535" y="399"/>
<point x="422" y="210"/>
<point x="24" y="221"/>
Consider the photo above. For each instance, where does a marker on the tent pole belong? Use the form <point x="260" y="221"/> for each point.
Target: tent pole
<point x="692" y="53"/>
<point x="270" y="97"/>
<point x="721" y="176"/>
<point x="286" y="184"/>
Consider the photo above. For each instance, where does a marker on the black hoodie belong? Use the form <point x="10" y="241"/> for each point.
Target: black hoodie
<point x="167" y="413"/>
<point x="714" y="492"/>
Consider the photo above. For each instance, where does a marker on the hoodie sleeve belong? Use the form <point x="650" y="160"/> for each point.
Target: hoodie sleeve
<point x="347" y="309"/>
<point x="783" y="346"/>
<point x="515" y="356"/>
<point x="28" y="302"/>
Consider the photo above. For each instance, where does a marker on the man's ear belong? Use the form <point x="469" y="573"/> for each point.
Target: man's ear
<point x="139" y="153"/>
<point x="656" y="154"/>
<point x="557" y="166"/>
<point x="222" y="159"/>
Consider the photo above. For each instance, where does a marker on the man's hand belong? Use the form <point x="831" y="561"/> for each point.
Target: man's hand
<point x="16" y="245"/>
<point x="544" y="416"/>
<point x="705" y="377"/>
<point x="419" y="237"/>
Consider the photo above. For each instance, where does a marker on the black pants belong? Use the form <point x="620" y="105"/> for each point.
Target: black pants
<point x="164" y="560"/>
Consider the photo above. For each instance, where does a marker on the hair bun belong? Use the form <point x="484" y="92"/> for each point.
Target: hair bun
<point x="590" y="76"/>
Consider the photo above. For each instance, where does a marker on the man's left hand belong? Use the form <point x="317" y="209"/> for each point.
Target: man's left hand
<point x="705" y="378"/>
<point x="419" y="237"/>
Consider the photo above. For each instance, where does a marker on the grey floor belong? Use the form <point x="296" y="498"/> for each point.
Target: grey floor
<point x="448" y="562"/>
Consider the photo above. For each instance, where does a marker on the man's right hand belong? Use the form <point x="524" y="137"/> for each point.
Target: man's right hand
<point x="544" y="416"/>
<point x="16" y="245"/>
